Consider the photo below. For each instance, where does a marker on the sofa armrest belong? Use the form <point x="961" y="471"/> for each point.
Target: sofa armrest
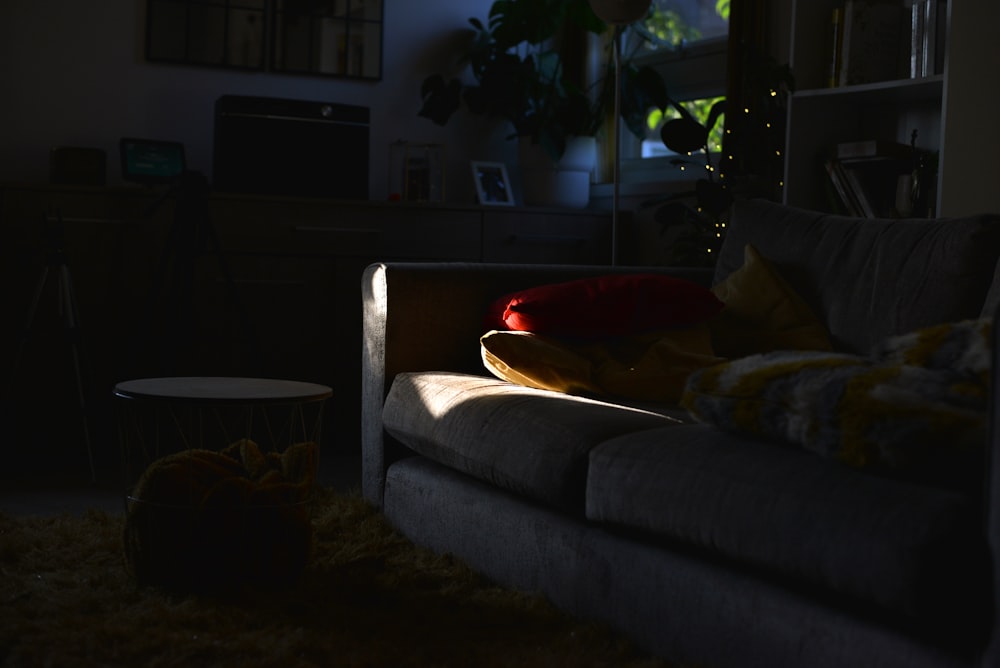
<point x="429" y="317"/>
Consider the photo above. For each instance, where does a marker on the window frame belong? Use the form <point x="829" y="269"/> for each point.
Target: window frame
<point x="691" y="71"/>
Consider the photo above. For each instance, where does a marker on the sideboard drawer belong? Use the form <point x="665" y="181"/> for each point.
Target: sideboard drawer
<point x="559" y="238"/>
<point x="369" y="230"/>
<point x="446" y="236"/>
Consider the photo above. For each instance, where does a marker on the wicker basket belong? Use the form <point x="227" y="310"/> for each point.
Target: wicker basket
<point x="205" y="520"/>
<point x="213" y="548"/>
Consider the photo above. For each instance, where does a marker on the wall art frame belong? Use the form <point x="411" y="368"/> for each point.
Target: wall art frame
<point x="332" y="38"/>
<point x="492" y="183"/>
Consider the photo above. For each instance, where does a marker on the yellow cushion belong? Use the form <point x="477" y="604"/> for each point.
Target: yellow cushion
<point x="652" y="367"/>
<point x="646" y="367"/>
<point x="536" y="361"/>
<point x="763" y="313"/>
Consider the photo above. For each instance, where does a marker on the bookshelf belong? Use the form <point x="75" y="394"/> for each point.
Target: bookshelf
<point x="951" y="111"/>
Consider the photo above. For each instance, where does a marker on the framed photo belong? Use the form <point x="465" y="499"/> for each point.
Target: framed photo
<point x="492" y="184"/>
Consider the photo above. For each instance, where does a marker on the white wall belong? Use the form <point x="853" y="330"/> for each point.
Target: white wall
<point x="72" y="73"/>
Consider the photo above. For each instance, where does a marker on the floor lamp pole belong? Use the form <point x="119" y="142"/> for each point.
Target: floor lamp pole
<point x="618" y="13"/>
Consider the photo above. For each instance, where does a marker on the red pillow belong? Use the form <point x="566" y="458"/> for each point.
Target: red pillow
<point x="605" y="306"/>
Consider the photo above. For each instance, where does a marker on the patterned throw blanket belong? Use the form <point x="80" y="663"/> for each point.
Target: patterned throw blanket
<point x="918" y="402"/>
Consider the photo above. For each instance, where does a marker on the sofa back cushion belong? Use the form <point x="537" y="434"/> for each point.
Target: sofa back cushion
<point x="869" y="279"/>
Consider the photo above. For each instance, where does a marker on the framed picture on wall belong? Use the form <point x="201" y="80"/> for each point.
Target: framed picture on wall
<point x="492" y="183"/>
<point x="333" y="38"/>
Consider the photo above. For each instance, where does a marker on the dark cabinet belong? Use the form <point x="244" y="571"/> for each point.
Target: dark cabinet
<point x="278" y="297"/>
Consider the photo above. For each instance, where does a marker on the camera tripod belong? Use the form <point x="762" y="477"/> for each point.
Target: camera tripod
<point x="56" y="267"/>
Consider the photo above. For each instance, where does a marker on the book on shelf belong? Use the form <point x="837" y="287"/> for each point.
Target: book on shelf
<point x="867" y="185"/>
<point x="873" y="149"/>
<point x="845" y="196"/>
<point x="872" y="41"/>
<point x="836" y="45"/>
<point x="861" y="195"/>
<point x="928" y="23"/>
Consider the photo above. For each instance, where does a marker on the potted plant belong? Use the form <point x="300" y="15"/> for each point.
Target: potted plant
<point x="518" y="61"/>
<point x="692" y="223"/>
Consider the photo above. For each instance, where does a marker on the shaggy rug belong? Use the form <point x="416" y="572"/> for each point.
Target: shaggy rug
<point x="367" y="598"/>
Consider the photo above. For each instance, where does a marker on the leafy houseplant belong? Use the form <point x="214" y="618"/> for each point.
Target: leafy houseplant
<point x="752" y="166"/>
<point x="518" y="60"/>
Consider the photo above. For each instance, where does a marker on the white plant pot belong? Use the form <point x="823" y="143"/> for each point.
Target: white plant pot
<point x="561" y="183"/>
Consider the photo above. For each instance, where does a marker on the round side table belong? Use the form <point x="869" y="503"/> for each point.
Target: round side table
<point x="158" y="416"/>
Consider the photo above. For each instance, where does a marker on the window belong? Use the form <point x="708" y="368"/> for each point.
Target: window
<point x="685" y="41"/>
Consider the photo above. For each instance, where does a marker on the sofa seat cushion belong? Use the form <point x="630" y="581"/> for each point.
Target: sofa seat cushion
<point x="910" y="549"/>
<point x="532" y="442"/>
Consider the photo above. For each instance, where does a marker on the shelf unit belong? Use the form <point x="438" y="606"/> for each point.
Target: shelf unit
<point x="951" y="111"/>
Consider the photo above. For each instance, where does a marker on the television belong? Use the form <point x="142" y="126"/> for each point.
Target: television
<point x="290" y="147"/>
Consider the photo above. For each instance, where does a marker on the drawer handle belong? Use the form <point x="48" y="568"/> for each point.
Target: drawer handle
<point x="112" y="221"/>
<point x="547" y="240"/>
<point x="356" y="231"/>
<point x="264" y="282"/>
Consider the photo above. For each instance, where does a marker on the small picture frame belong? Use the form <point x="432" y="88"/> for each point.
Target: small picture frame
<point x="492" y="183"/>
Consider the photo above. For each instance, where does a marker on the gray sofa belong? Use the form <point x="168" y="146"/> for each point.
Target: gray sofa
<point x="704" y="545"/>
